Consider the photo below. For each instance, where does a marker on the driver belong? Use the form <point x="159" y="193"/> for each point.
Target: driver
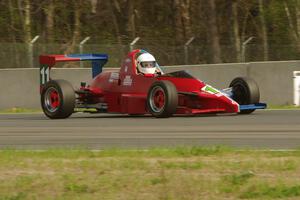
<point x="146" y="64"/>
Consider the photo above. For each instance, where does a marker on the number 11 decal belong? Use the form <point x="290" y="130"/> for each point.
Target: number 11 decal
<point x="44" y="74"/>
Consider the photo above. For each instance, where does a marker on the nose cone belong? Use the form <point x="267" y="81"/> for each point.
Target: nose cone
<point x="229" y="104"/>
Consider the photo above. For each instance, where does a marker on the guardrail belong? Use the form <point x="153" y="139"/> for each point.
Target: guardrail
<point x="20" y="87"/>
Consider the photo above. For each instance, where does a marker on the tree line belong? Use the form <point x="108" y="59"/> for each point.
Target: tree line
<point x="220" y="27"/>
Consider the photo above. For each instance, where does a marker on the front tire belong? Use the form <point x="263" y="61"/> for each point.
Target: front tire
<point x="162" y="99"/>
<point x="245" y="91"/>
<point x="58" y="99"/>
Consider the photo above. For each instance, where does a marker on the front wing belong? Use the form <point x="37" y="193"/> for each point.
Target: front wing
<point x="253" y="106"/>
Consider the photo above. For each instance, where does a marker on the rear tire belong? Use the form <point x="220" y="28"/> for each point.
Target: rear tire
<point x="58" y="99"/>
<point x="162" y="99"/>
<point x="245" y="91"/>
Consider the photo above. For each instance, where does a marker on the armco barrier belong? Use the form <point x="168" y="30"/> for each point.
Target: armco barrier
<point x="20" y="87"/>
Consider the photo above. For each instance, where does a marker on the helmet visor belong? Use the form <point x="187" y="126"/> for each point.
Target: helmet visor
<point x="148" y="64"/>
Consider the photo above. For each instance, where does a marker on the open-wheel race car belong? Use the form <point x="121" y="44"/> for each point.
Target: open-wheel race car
<point x="141" y="87"/>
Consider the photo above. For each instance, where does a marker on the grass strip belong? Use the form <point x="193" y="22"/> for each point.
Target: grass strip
<point x="215" y="172"/>
<point x="283" y="107"/>
<point x="20" y="110"/>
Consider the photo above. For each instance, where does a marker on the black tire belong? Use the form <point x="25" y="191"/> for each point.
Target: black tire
<point x="58" y="99"/>
<point x="245" y="91"/>
<point x="167" y="106"/>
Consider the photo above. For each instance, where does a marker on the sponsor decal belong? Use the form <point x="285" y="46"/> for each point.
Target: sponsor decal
<point x="209" y="89"/>
<point x="113" y="76"/>
<point x="127" y="61"/>
<point x="127" y="81"/>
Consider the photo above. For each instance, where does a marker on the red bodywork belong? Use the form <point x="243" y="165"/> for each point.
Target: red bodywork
<point x="126" y="92"/>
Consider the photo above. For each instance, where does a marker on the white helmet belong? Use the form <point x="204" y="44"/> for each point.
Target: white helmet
<point x="146" y="63"/>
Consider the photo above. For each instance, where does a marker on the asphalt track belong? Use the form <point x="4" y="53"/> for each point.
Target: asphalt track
<point x="276" y="129"/>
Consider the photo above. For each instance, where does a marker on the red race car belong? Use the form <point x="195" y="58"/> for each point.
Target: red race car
<point x="141" y="87"/>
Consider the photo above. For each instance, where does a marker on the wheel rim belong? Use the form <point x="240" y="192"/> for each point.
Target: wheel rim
<point x="157" y="99"/>
<point x="52" y="100"/>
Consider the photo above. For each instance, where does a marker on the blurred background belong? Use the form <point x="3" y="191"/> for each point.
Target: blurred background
<point x="176" y="32"/>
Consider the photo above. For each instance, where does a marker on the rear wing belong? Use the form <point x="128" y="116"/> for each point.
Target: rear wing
<point x="48" y="61"/>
